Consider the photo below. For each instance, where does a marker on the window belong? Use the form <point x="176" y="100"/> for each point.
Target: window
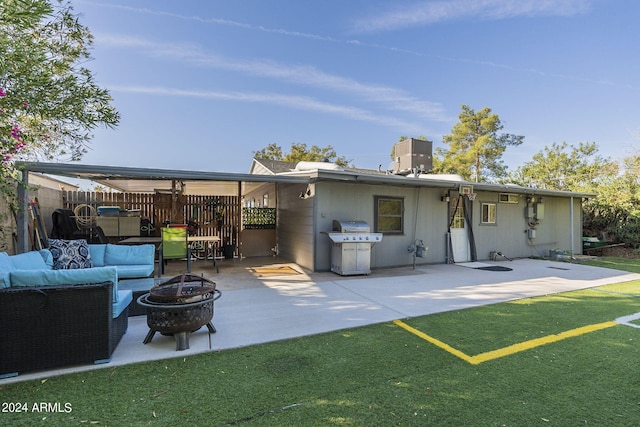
<point x="488" y="213"/>
<point x="388" y="215"/>
<point x="508" y="198"/>
<point x="457" y="215"/>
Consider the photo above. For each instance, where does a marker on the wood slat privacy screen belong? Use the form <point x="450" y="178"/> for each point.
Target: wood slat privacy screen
<point x="214" y="215"/>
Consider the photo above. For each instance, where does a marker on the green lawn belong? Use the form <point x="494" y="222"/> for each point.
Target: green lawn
<point x="381" y="375"/>
<point x="632" y="265"/>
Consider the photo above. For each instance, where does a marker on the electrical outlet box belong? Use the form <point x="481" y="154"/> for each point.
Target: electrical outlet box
<point x="531" y="233"/>
<point x="528" y="212"/>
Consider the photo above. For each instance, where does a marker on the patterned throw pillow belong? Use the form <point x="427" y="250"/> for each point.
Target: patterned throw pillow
<point x="70" y="254"/>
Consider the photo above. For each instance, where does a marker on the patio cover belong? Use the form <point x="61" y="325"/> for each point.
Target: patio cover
<point x="146" y="180"/>
<point x="143" y="180"/>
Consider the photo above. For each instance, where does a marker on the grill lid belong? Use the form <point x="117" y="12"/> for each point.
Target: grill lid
<point x="350" y="226"/>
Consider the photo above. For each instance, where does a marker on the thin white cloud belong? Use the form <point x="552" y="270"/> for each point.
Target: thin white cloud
<point x="217" y="21"/>
<point x="432" y="12"/>
<point x="391" y="98"/>
<point x="288" y="101"/>
<point x="444" y="10"/>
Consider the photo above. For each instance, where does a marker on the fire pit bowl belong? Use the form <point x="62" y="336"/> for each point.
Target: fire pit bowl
<point x="189" y="308"/>
<point x="181" y="289"/>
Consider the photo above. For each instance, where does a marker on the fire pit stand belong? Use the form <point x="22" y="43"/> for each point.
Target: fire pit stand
<point x="180" y="306"/>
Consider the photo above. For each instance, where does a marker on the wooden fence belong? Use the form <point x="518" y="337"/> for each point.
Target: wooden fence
<point x="211" y="215"/>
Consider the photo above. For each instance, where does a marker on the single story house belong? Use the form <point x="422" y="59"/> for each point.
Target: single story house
<point x="457" y="221"/>
<point x="454" y="220"/>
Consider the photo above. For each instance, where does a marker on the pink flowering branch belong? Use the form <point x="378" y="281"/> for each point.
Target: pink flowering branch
<point x="15" y="143"/>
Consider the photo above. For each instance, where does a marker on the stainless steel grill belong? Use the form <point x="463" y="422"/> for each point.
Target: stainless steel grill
<point x="351" y="247"/>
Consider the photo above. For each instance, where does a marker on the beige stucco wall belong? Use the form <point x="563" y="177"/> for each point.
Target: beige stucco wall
<point x="49" y="200"/>
<point x="7" y="228"/>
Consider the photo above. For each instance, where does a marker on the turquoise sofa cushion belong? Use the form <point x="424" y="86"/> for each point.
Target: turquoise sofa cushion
<point x="97" y="254"/>
<point x="124" y="299"/>
<point x="29" y="261"/>
<point x="129" y="254"/>
<point x="27" y="278"/>
<point x="134" y="271"/>
<point x="6" y="266"/>
<point x="47" y="256"/>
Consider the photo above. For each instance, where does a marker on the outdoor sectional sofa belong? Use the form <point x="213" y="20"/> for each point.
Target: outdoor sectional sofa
<point x="54" y="317"/>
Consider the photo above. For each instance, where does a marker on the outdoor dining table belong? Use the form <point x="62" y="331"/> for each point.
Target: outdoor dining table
<point x="209" y="241"/>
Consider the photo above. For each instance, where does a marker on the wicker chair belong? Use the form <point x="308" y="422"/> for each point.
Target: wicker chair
<point x="57" y="326"/>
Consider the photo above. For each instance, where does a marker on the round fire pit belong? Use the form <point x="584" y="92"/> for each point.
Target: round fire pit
<point x="180" y="306"/>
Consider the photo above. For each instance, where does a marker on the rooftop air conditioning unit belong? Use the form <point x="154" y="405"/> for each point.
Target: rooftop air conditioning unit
<point x="413" y="154"/>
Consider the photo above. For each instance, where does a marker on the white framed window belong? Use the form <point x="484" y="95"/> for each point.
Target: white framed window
<point x="488" y="213"/>
<point x="508" y="198"/>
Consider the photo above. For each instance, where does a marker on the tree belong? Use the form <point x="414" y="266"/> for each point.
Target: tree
<point x="566" y="167"/>
<point x="475" y="146"/>
<point x="615" y="211"/>
<point x="49" y="102"/>
<point x="299" y="152"/>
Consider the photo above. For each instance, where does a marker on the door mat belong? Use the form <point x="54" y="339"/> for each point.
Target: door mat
<point x="483" y="266"/>
<point x="474" y="264"/>
<point x="273" y="271"/>
<point x="494" y="268"/>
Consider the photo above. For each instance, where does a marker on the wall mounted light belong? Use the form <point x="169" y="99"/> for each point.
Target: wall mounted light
<point x="444" y="198"/>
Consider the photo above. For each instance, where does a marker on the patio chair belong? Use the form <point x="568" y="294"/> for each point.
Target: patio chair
<point x="174" y="246"/>
<point x="66" y="226"/>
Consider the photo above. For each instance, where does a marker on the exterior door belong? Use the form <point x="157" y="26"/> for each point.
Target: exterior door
<point x="459" y="238"/>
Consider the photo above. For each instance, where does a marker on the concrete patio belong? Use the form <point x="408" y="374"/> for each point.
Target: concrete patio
<point x="266" y="300"/>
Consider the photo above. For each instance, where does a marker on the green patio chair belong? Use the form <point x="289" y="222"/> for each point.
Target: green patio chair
<point x="174" y="246"/>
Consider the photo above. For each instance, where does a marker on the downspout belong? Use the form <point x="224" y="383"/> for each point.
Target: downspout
<point x="415" y="220"/>
<point x="414" y="242"/>
<point x="571" y="245"/>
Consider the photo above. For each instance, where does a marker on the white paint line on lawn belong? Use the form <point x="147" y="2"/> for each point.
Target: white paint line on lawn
<point x="627" y="320"/>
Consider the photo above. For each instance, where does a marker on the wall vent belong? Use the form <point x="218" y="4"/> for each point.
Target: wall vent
<point x="508" y="198"/>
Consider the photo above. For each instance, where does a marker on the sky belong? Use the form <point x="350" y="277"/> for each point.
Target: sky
<point x="202" y="85"/>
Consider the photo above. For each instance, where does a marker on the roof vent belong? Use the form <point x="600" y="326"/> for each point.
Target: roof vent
<point x="310" y="166"/>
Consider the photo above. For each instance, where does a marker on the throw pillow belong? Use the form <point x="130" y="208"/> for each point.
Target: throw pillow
<point x="70" y="254"/>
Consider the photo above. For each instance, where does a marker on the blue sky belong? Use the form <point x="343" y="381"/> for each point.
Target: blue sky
<point x="201" y="85"/>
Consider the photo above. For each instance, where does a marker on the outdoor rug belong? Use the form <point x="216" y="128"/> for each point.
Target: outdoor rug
<point x="274" y="271"/>
<point x="494" y="268"/>
<point x="483" y="266"/>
